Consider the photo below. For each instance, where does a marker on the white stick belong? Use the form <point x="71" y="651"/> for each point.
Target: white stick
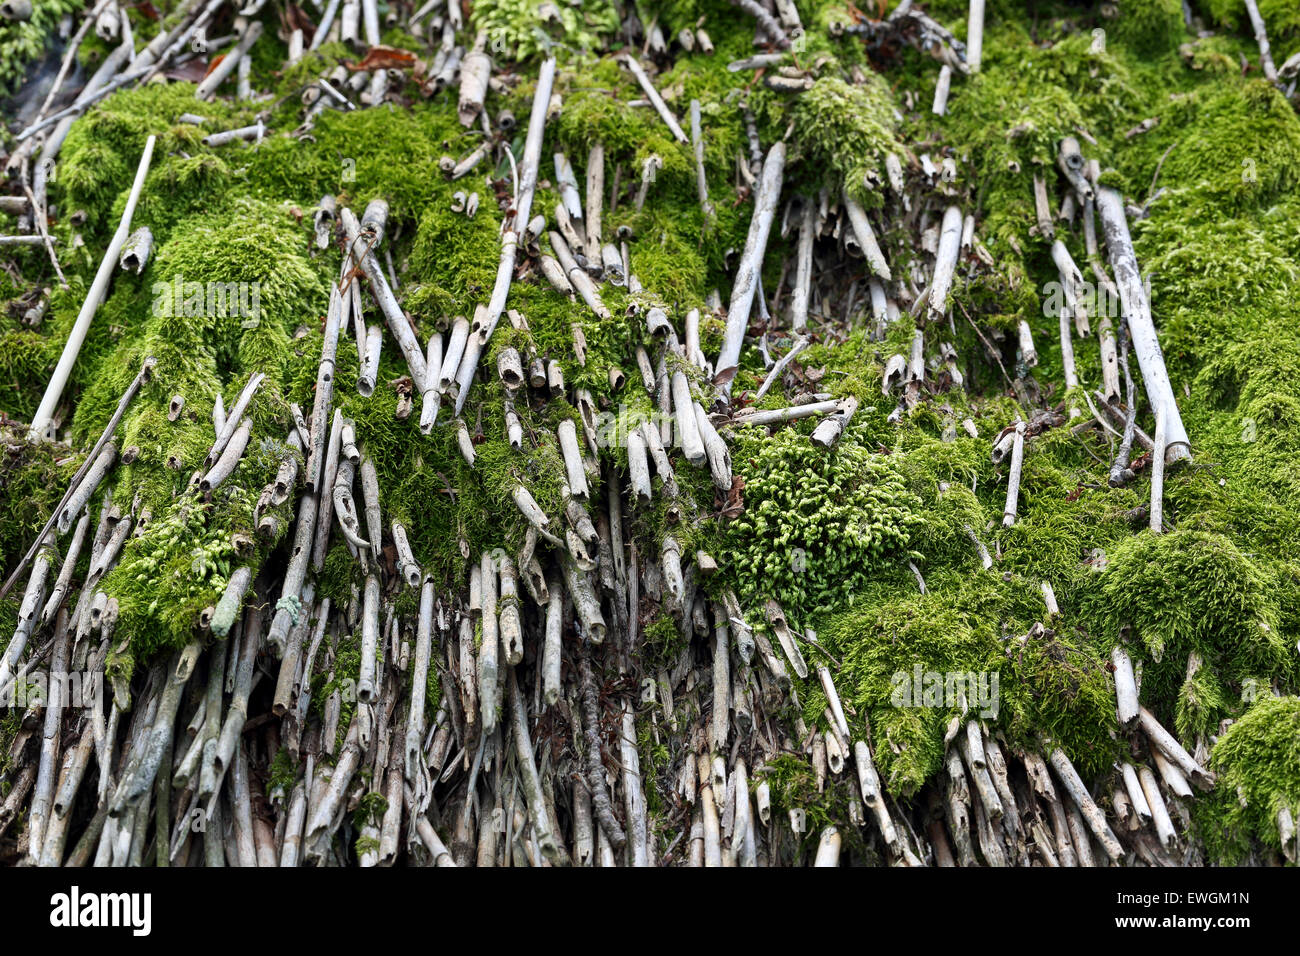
<point x="1013" y="479"/>
<point x="656" y="100"/>
<point x="945" y="262"/>
<point x="941" y="89"/>
<point x="688" y="428"/>
<point x="638" y="466"/>
<point x="747" y="275"/>
<point x="228" y="63"/>
<point x="1126" y="693"/>
<point x="1134" y="789"/>
<point x="371" y="351"/>
<point x="383" y="293"/>
<point x="1158" y="470"/>
<point x="528" y="168"/>
<point x="866" y="238"/>
<point x="778" y="416"/>
<point x="721" y="717"/>
<point x="803" y="266"/>
<point x="1172" y="749"/>
<point x="431" y="396"/>
<point x="98" y="290"/>
<point x="1137" y="310"/>
<point x="828" y="431"/>
<point x="1261" y="37"/>
<point x="1156" y="804"/>
<point x="828" y="848"/>
<point x="975" y="35"/>
<point x="370" y="18"/>
<point x="574" y="471"/>
<point x="715" y="449"/>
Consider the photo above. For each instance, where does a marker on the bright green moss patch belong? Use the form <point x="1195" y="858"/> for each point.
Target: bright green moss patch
<point x="817" y="522"/>
<point x="1150" y="26"/>
<point x="1238" y="147"/>
<point x="967" y="624"/>
<point x="524" y="29"/>
<point x="1192" y="592"/>
<point x="846" y="130"/>
<point x="1256" y="762"/>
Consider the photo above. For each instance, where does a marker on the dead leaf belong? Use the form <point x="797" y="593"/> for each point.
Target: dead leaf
<point x="734" y="504"/>
<point x="385" y="58"/>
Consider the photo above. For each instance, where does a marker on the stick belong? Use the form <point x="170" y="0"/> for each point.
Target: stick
<point x="1092" y="814"/>
<point x="1013" y="478"/>
<point x="945" y="262"/>
<point x="769" y="25"/>
<point x="1261" y="37"/>
<point x="975" y="35"/>
<point x="655" y="99"/>
<point x="1172" y="749"/>
<point x="747" y="274"/>
<point x="595" y="775"/>
<point x="54" y="390"/>
<point x="1126" y="692"/>
<point x="1137" y="313"/>
<point x="866" y="238"/>
<point x="218" y="75"/>
<point x="359" y="244"/>
<point x="485" y="324"/>
<point x="1158" y="471"/>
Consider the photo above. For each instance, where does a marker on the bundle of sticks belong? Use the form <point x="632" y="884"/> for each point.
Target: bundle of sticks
<point x="507" y="718"/>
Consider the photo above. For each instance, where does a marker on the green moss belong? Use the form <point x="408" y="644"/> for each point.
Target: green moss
<point x="282" y="774"/>
<point x="517" y="30"/>
<point x="369" y="813"/>
<point x="22" y="42"/>
<point x="828" y="534"/>
<point x="817" y="524"/>
<point x="845" y="130"/>
<point x="1190" y="592"/>
<point x="662" y="642"/>
<point x="1238" y="148"/>
<point x="1150" y="26"/>
<point x="33" y="479"/>
<point x="1054" y="685"/>
<point x="1256" y="763"/>
<point x="456" y="259"/>
<point x="793" y="786"/>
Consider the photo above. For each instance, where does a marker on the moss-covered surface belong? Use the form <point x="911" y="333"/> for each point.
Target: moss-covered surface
<point x="827" y="535"/>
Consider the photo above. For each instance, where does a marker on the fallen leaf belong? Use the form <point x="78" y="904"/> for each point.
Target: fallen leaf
<point x="385" y="58"/>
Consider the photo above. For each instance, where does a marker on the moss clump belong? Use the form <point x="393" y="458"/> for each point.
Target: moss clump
<point x="846" y="130"/>
<point x="456" y="260"/>
<point x="817" y="523"/>
<point x="793" y="785"/>
<point x="33" y="477"/>
<point x="1256" y="762"/>
<point x="1238" y="148"/>
<point x="663" y="642"/>
<point x="369" y="813"/>
<point x="524" y="29"/>
<point x="282" y="774"/>
<point x="180" y="564"/>
<point x="1150" y="27"/>
<point x="1193" y="592"/>
<point x="1054" y="685"/>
